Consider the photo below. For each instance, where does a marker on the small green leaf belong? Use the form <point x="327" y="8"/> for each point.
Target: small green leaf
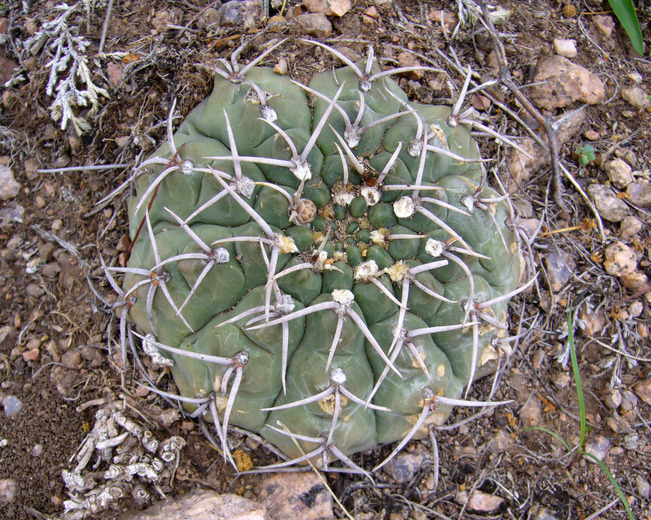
<point x="625" y="12"/>
<point x="586" y="155"/>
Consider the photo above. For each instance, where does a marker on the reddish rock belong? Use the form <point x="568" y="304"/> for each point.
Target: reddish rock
<point x="328" y="7"/>
<point x="31" y="355"/>
<point x="479" y="501"/>
<point x="295" y="495"/>
<point x="563" y="82"/>
<point x="9" y="188"/>
<point x="620" y="259"/>
<point x="531" y="412"/>
<point x="314" y="24"/>
<point x="114" y="72"/>
<point x="605" y="24"/>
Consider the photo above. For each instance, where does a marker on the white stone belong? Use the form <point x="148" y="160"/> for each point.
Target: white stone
<point x="565" y="48"/>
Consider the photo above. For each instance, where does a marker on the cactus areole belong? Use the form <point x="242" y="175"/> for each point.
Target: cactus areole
<point x="322" y="264"/>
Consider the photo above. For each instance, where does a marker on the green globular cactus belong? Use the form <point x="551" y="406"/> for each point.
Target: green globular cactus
<point x="322" y="265"/>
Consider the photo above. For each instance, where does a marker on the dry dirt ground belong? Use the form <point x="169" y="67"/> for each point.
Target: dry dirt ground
<point x="53" y="328"/>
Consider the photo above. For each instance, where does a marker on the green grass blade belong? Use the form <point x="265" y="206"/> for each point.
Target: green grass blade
<point x="625" y="13"/>
<point x="610" y="476"/>
<point x="553" y="434"/>
<point x="577" y="377"/>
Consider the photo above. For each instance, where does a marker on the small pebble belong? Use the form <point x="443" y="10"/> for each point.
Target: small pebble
<point x="610" y="207"/>
<point x="404" y="466"/>
<point x="619" y="173"/>
<point x="632" y="441"/>
<point x="643" y="390"/>
<point x="531" y="412"/>
<point x="501" y="442"/>
<point x="72" y="358"/>
<point x="281" y="67"/>
<point x="591" y="135"/>
<point x="639" y="193"/>
<point x="314" y="24"/>
<point x="635" y="309"/>
<point x="643" y="487"/>
<point x="370" y="14"/>
<point x="37" y="450"/>
<point x="605" y="24"/>
<point x="9" y="188"/>
<point x="634" y="280"/>
<point x="636" y="97"/>
<point x="629" y="400"/>
<point x="561" y="380"/>
<point x="209" y="19"/>
<point x="627" y="155"/>
<point x="620" y="259"/>
<point x="188" y="426"/>
<point x="559" y="83"/>
<point x="8" y="490"/>
<point x="614" y="399"/>
<point x="31" y="355"/>
<point x="35" y="290"/>
<point x="33" y="343"/>
<point x="630" y="227"/>
<point x="599" y="448"/>
<point x="635" y="77"/>
<point x="565" y="48"/>
<point x="12" y="405"/>
<point x="479" y="501"/>
<point x="560" y="267"/>
<point x="31" y="167"/>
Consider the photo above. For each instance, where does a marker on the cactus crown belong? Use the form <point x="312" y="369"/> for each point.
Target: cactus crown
<point x="320" y="264"/>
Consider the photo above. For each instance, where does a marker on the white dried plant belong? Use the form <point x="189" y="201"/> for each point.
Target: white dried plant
<point x="119" y="458"/>
<point x="70" y="81"/>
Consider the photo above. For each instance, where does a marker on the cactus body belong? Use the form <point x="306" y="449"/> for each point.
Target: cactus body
<point x="320" y="269"/>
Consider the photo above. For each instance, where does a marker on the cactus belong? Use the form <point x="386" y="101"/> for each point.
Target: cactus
<point x="323" y="265"/>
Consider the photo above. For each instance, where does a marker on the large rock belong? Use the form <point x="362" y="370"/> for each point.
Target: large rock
<point x="295" y="495"/>
<point x="202" y="505"/>
<point x="639" y="194"/>
<point x="609" y="206"/>
<point x="563" y="82"/>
